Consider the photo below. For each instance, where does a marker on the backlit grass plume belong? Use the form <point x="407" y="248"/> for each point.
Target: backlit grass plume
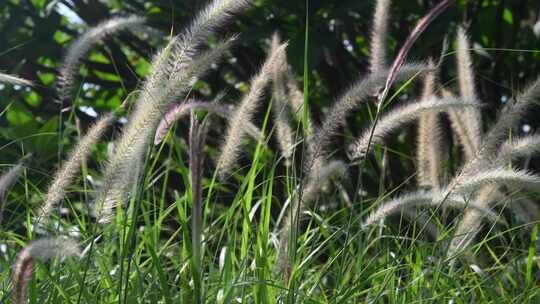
<point x="429" y="151"/>
<point x="177" y="111"/>
<point x="41" y="250"/>
<point x="460" y="128"/>
<point x="67" y="172"/>
<point x="396" y="118"/>
<point x="360" y="92"/>
<point x="421" y="199"/>
<point x="519" y="147"/>
<point x="125" y="166"/>
<point x="14" y="80"/>
<point x="7" y="180"/>
<point x="379" y="36"/>
<point x="82" y="45"/>
<point x="471" y="118"/>
<point x="475" y="177"/>
<point x="245" y="111"/>
<point x="174" y="70"/>
<point x="509" y="118"/>
<point x="280" y="106"/>
<point x="499" y="176"/>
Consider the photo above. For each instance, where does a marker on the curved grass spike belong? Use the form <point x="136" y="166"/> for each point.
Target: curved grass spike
<point x="379" y="36"/>
<point x="14" y="80"/>
<point x="82" y="45"/>
<point x="396" y="118"/>
<point x="180" y="110"/>
<point x="8" y="179"/>
<point x="244" y="112"/>
<point x="472" y="118"/>
<point x="519" y="147"/>
<point x="124" y="169"/>
<point x="489" y="149"/>
<point x="280" y="107"/>
<point x="473" y="174"/>
<point x="173" y="70"/>
<point x="429" y="151"/>
<point x="41" y="250"/>
<point x="520" y="179"/>
<point x="459" y="126"/>
<point x="421" y="199"/>
<point x="487" y="184"/>
<point x="66" y="173"/>
<point x="419" y="28"/>
<point x="357" y="94"/>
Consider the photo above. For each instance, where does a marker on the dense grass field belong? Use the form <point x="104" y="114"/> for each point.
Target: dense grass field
<point x="177" y="197"/>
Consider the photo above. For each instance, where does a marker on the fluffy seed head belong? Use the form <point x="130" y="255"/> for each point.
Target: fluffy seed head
<point x="396" y="118"/>
<point x="244" y="112"/>
<point x="14" y="80"/>
<point x="379" y="36"/>
<point x="159" y="91"/>
<point x="472" y="118"/>
<point x="429" y="150"/>
<point x="42" y="250"/>
<point x="280" y="107"/>
<point x="82" y="45"/>
<point x="418" y="199"/>
<point x="357" y="94"/>
<point x="177" y="111"/>
<point x="65" y="175"/>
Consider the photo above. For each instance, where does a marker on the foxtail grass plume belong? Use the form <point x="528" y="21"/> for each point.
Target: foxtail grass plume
<point x="473" y="175"/>
<point x="8" y="179"/>
<point x="489" y="149"/>
<point x="429" y="151"/>
<point x="244" y="112"/>
<point x="41" y="250"/>
<point x="420" y="199"/>
<point x="509" y="118"/>
<point x="124" y="168"/>
<point x="379" y="36"/>
<point x="174" y="70"/>
<point x="357" y="94"/>
<point x="472" y="118"/>
<point x="65" y="175"/>
<point x="177" y="111"/>
<point x="519" y="147"/>
<point x="520" y="179"/>
<point x="280" y="106"/>
<point x="82" y="45"/>
<point x="396" y="118"/>
<point x="459" y="126"/>
<point x="14" y="80"/>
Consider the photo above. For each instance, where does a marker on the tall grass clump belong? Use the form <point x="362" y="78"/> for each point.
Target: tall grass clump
<point x="82" y="45"/>
<point x="174" y="68"/>
<point x="312" y="219"/>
